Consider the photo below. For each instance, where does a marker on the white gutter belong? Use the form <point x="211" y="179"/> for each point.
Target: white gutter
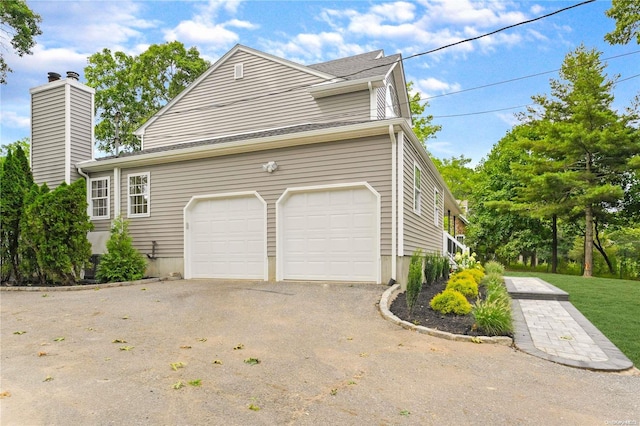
<point x="394" y="242"/>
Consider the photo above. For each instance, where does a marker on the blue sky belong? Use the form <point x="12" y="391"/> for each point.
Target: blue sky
<point x="314" y="31"/>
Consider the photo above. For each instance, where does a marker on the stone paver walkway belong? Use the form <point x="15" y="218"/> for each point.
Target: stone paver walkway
<point x="548" y="326"/>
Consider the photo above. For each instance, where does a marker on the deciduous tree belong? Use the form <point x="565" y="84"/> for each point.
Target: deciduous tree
<point x="423" y="125"/>
<point x="18" y="26"/>
<point x="627" y="16"/>
<point x="134" y="88"/>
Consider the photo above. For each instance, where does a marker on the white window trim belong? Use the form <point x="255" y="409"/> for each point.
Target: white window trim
<point x="436" y="207"/>
<point x="418" y="188"/>
<point x="148" y="194"/>
<point x="90" y="198"/>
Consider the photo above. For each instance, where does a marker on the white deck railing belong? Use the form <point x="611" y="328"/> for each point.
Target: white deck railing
<point x="451" y="246"/>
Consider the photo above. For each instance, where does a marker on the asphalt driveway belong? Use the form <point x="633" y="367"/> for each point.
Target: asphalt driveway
<point x="326" y="356"/>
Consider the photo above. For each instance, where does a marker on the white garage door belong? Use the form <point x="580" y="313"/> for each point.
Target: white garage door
<point x="330" y="235"/>
<point x="227" y="238"/>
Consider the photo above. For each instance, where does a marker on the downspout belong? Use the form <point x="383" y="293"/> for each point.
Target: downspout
<point x="394" y="203"/>
<point x="86" y="178"/>
<point x="373" y="103"/>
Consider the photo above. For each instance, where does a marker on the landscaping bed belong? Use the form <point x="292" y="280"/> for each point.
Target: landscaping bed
<point x="425" y="316"/>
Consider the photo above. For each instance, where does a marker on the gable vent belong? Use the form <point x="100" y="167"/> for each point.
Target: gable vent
<point x="238" y="71"/>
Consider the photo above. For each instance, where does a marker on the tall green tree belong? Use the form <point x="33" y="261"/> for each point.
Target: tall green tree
<point x="57" y="224"/>
<point x="131" y="89"/>
<point x="584" y="147"/>
<point x="423" y="125"/>
<point x="497" y="229"/>
<point x="15" y="182"/>
<point x="627" y="16"/>
<point x="457" y="174"/>
<point x="19" y="26"/>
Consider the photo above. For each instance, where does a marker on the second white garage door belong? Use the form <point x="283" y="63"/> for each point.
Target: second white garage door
<point x="329" y="234"/>
<point x="227" y="237"/>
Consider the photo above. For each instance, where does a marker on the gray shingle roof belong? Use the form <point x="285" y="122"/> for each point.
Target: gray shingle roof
<point x="232" y="138"/>
<point x="359" y="66"/>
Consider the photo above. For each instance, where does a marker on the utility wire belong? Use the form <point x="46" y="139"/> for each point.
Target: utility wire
<point x="303" y="86"/>
<point x="521" y="78"/>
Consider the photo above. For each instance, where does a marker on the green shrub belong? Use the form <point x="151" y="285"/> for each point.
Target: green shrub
<point x="444" y="267"/>
<point x="450" y="301"/>
<point x="465" y="285"/>
<point x="492" y="267"/>
<point x="432" y="268"/>
<point x="122" y="262"/>
<point x="476" y="273"/>
<point x="54" y="228"/>
<point x="493" y="317"/>
<point x="414" y="280"/>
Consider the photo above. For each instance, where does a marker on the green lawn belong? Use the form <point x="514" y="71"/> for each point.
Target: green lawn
<point x="611" y="305"/>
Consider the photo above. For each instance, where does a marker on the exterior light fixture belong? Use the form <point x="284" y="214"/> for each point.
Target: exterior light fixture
<point x="270" y="167"/>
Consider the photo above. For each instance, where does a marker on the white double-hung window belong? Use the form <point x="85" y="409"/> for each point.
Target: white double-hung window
<point x="138" y="195"/>
<point x="99" y="201"/>
<point x="417" y="185"/>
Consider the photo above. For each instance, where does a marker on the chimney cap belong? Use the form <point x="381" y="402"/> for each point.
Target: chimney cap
<point x="73" y="75"/>
<point x="53" y="76"/>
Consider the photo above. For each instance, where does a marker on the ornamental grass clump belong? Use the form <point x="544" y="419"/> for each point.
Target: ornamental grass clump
<point x="492" y="280"/>
<point x="465" y="284"/>
<point x="493" y="316"/>
<point x="492" y="267"/>
<point x="450" y="302"/>
<point x="414" y="280"/>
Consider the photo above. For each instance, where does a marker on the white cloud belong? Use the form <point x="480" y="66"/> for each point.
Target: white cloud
<point x="466" y="12"/>
<point x="310" y="48"/>
<point x="14" y="120"/>
<point x="206" y="29"/>
<point x="430" y="86"/>
<point x="93" y="25"/>
<point x="441" y="148"/>
<point x="537" y="9"/>
<point x="46" y="59"/>
<point x="198" y="32"/>
<point x="508" y="117"/>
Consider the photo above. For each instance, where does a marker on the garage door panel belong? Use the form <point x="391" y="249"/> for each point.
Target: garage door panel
<point x="330" y="235"/>
<point x="227" y="238"/>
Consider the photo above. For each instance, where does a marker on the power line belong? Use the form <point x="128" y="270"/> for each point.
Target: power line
<point x="521" y="78"/>
<point x="481" y="112"/>
<point x="501" y="29"/>
<point x="304" y="86"/>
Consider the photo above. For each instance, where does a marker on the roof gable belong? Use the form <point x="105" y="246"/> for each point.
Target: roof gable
<point x="238" y="48"/>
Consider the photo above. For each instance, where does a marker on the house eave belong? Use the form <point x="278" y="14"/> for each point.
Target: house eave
<point x="332" y="134"/>
<point x="450" y="202"/>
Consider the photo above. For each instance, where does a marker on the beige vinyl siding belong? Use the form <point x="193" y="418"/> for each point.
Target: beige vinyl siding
<point x="48" y="136"/>
<point x="270" y="95"/>
<point x="104" y="224"/>
<point x="172" y="185"/>
<point x="81" y="121"/>
<point x="420" y="230"/>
